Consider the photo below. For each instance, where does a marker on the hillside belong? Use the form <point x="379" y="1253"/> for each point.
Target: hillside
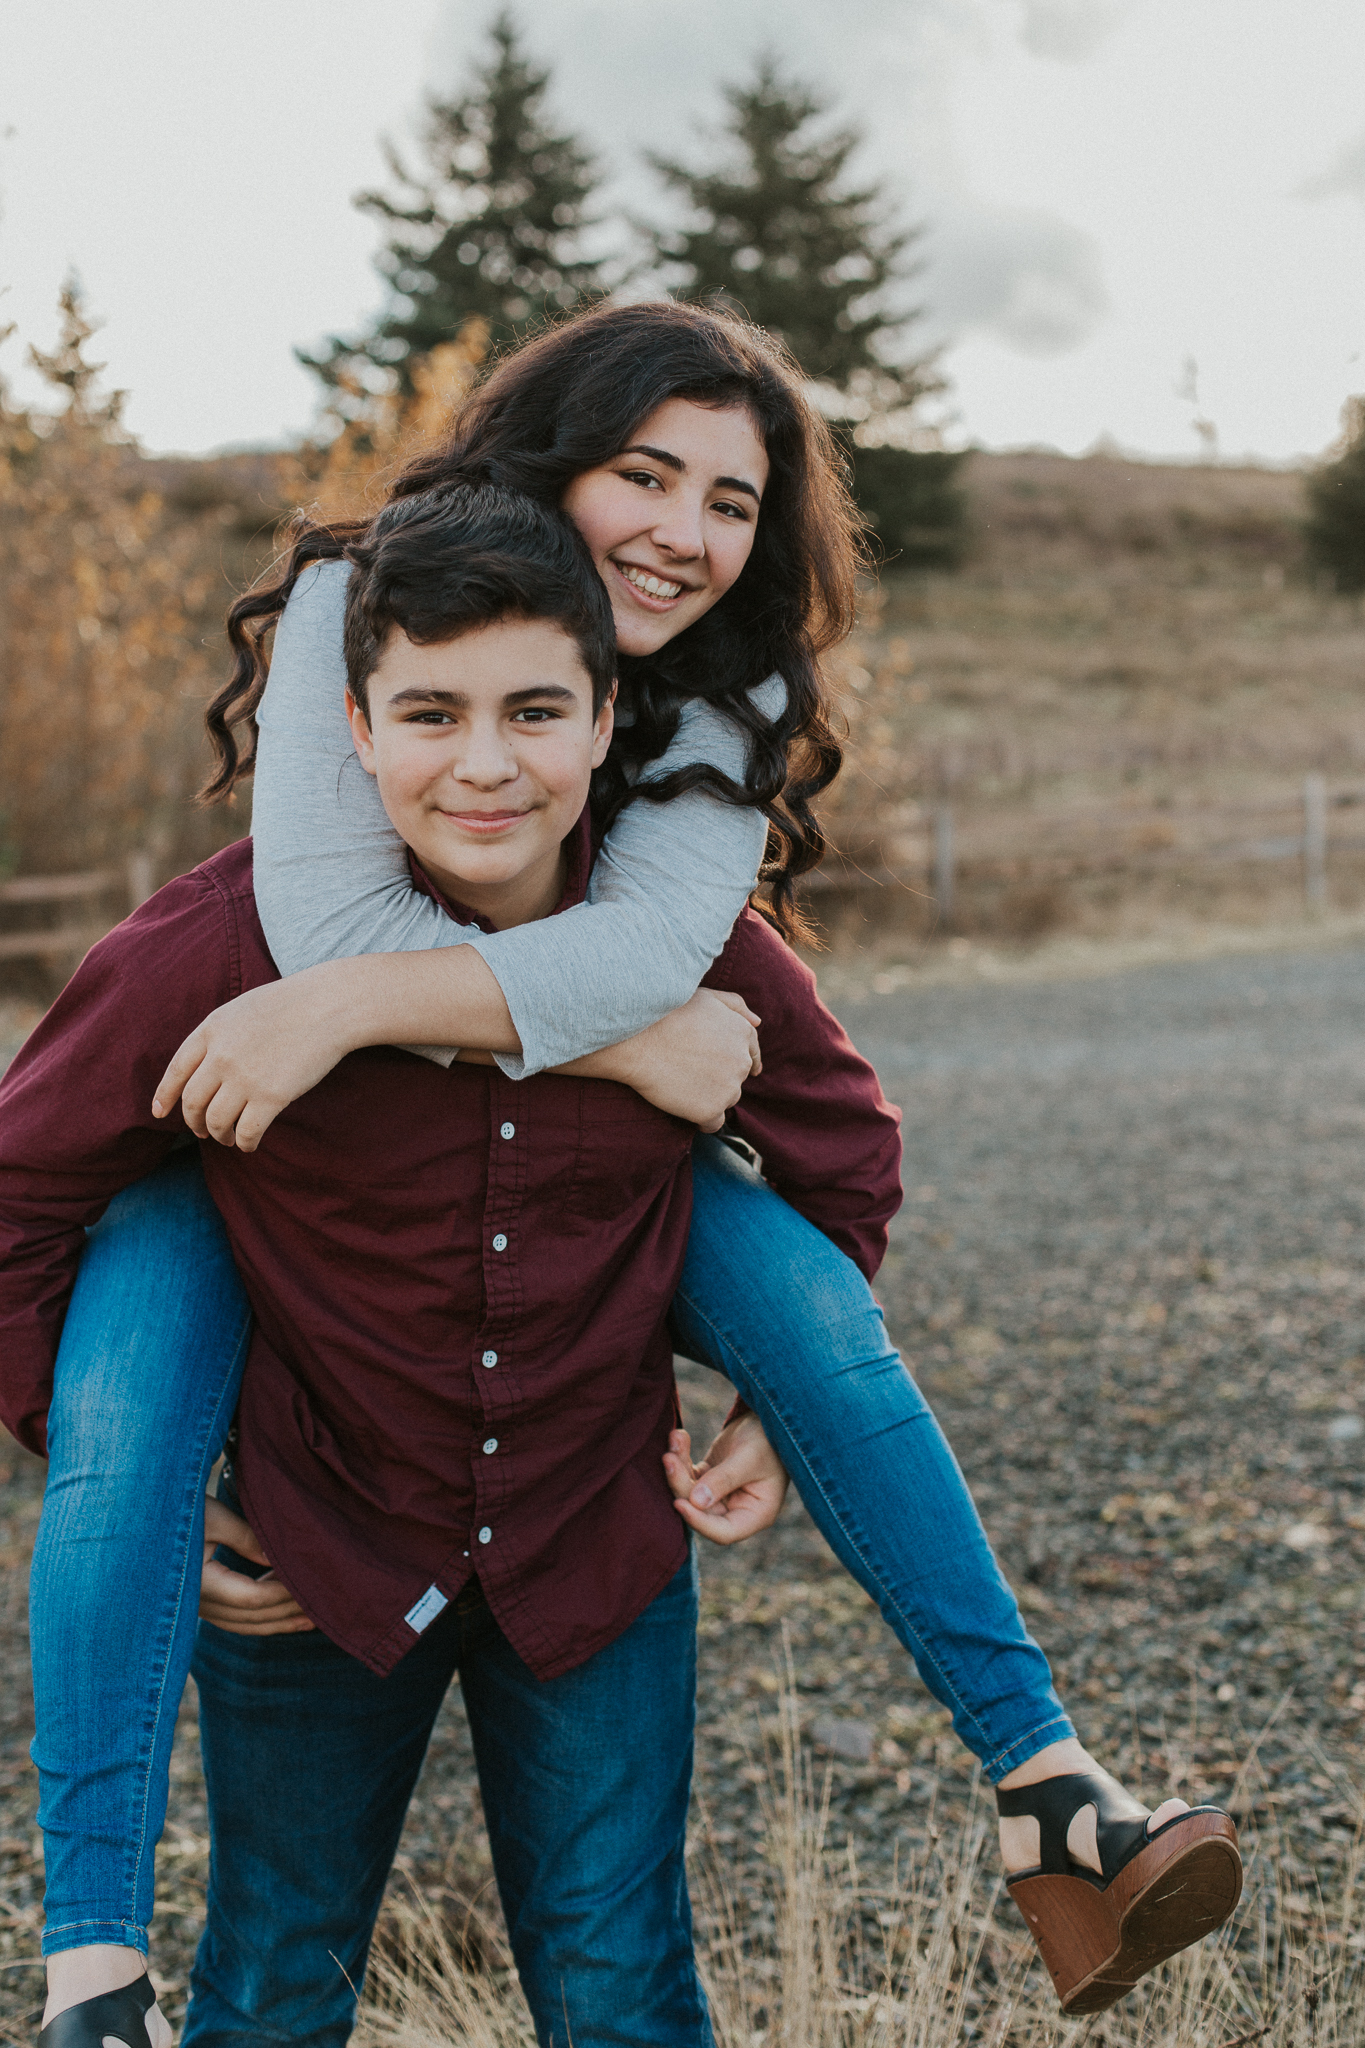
<point x="1126" y="646"/>
<point x="1131" y="666"/>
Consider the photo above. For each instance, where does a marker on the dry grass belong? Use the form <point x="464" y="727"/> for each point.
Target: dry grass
<point x="1130" y="648"/>
<point x="936" y="1959"/>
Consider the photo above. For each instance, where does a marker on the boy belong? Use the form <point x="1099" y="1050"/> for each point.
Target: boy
<point x="460" y="1388"/>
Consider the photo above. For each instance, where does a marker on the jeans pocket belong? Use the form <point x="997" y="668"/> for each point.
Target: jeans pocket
<point x="226" y="1492"/>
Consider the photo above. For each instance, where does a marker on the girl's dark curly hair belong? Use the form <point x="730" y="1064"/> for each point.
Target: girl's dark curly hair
<point x="569" y="401"/>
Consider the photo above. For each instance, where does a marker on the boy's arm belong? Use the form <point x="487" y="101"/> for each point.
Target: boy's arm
<point x="816" y="1115"/>
<point x="76" y="1122"/>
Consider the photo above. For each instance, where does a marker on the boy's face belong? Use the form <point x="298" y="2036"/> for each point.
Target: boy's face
<point x="483" y="748"/>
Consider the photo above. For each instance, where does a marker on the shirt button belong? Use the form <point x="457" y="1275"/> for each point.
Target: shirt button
<point x="490" y="1447"/>
<point x="485" y="1535"/>
<point x="500" y="1242"/>
<point x="508" y="1131"/>
<point x="489" y="1358"/>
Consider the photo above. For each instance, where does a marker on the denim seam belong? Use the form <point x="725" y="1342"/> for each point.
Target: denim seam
<point x="158" y="1706"/>
<point x="1009" y="1759"/>
<point x="114" y="1925"/>
<point x="841" y="1521"/>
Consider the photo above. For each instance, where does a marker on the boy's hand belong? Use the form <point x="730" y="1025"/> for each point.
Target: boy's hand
<point x="229" y="1599"/>
<point x="737" y="1490"/>
<point x="692" y="1063"/>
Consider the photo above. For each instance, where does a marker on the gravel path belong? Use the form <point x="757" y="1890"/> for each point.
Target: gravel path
<point x="1129" y="1276"/>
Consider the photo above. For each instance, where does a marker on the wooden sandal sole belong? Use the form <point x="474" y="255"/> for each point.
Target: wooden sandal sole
<point x="1096" y="1944"/>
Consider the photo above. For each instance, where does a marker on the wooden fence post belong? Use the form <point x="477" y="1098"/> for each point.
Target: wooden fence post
<point x="943" y="865"/>
<point x="1314" y="841"/>
<point x="141" y="878"/>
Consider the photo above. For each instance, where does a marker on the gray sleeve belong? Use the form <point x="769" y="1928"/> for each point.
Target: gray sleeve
<point x="332" y="877"/>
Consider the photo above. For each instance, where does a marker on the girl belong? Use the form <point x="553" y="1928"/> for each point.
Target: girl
<point x="709" y="494"/>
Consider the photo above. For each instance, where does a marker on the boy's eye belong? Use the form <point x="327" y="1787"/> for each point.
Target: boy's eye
<point x="536" y="714"/>
<point x="431" y="718"/>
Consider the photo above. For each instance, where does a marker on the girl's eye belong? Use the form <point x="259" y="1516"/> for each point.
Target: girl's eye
<point x="642" y="476"/>
<point x="731" y="511"/>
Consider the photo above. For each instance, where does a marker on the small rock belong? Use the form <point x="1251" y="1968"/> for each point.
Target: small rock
<point x="1304" y="1535"/>
<point x="1343" y="1427"/>
<point x="851" y="1740"/>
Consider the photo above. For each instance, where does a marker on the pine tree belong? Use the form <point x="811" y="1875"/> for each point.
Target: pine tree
<point x="488" y="229"/>
<point x="777" y="231"/>
<point x="1335" y="529"/>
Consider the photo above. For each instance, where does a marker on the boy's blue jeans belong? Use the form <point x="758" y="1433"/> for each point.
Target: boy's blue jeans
<point x="311" y="1760"/>
<point x="147" y="1379"/>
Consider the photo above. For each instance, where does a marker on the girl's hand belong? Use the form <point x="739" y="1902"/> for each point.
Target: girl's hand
<point x="253" y="1057"/>
<point x="231" y="1600"/>
<point x="737" y="1490"/>
<point x="692" y="1063"/>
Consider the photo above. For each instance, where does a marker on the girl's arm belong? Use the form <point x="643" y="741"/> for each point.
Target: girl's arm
<point x="332" y="880"/>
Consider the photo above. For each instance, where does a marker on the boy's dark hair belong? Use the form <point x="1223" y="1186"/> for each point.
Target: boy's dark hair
<point x="466" y="555"/>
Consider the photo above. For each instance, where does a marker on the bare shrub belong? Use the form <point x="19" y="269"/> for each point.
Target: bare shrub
<point x="103" y="661"/>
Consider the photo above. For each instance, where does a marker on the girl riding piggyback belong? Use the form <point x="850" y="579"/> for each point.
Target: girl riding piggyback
<point x="681" y="444"/>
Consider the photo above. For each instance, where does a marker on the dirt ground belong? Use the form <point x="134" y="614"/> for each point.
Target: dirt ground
<point x="1129" y="1276"/>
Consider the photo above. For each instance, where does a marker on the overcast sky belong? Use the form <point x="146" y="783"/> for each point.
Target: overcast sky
<point x="1108" y="188"/>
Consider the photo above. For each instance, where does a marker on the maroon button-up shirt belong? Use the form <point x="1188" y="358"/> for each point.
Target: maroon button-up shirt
<point x="460" y="1282"/>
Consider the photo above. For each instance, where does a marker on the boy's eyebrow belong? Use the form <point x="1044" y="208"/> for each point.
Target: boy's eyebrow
<point x="675" y="462"/>
<point x="457" y="700"/>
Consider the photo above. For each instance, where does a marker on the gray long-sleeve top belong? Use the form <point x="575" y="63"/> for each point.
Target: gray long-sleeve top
<point x="332" y="877"/>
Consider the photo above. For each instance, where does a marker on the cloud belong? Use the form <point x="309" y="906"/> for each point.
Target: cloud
<point x="1346" y="173"/>
<point x="1028" y="278"/>
<point x="1069" y="30"/>
<point x="894" y="67"/>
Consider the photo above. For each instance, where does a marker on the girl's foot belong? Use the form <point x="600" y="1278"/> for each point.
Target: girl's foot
<point x="76" y="1976"/>
<point x="1111" y="1890"/>
<point x="1020" y="1837"/>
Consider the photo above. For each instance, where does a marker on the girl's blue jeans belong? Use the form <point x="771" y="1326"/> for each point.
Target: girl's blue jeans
<point x="147" y="1378"/>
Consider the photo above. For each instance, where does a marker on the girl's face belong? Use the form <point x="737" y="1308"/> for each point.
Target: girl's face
<point x="670" y="520"/>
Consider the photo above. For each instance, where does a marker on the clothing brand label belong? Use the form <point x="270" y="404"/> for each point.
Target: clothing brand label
<point x="428" y="1607"/>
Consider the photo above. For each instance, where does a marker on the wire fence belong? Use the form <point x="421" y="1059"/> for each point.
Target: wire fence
<point x="950" y="844"/>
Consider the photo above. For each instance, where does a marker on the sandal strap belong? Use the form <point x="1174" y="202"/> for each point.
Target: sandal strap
<point x="122" y="2013"/>
<point x="1120" y="1822"/>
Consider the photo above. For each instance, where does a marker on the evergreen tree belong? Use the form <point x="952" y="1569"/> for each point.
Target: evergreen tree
<point x="776" y="231"/>
<point x="1335" y="528"/>
<point x="488" y="229"/>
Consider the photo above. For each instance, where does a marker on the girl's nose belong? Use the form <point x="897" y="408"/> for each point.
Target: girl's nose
<point x="678" y="531"/>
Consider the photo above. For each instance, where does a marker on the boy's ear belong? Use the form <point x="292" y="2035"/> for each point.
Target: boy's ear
<point x="603" y="728"/>
<point x="360" y="733"/>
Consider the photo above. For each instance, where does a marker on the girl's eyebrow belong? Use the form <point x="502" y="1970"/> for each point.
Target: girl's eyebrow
<point x="675" y="462"/>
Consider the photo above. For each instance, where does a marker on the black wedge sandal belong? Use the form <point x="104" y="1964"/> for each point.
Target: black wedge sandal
<point x="1154" y="1894"/>
<point x="122" y="2014"/>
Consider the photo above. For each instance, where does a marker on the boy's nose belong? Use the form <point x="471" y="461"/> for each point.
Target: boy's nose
<point x="486" y="762"/>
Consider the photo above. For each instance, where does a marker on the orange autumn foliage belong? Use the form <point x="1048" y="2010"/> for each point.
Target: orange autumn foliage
<point x="116" y="570"/>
